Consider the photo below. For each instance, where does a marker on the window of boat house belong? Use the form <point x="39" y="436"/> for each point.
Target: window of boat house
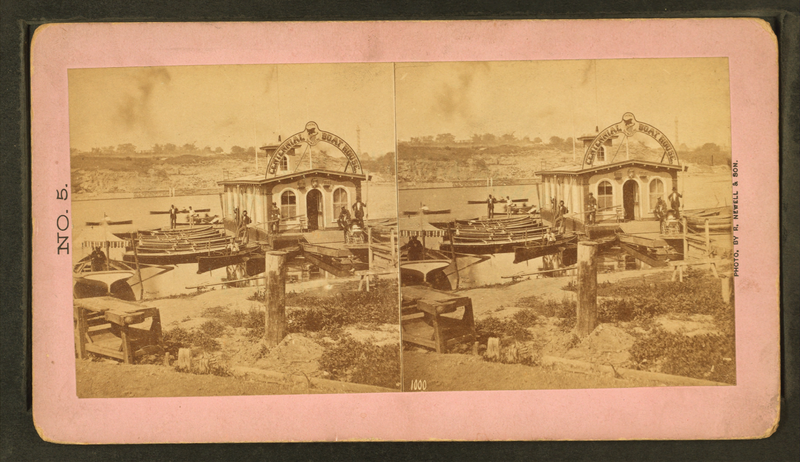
<point x="285" y="163"/>
<point x="601" y="154"/>
<point x="605" y="195"/>
<point x="656" y="191"/>
<point x="288" y="205"/>
<point x="339" y="200"/>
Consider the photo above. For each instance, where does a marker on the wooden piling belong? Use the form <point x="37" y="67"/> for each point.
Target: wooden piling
<point x="138" y="269"/>
<point x="275" y="297"/>
<point x="453" y="253"/>
<point x="685" y="242"/>
<point x="393" y="236"/>
<point x="587" y="288"/>
<point x="370" y="254"/>
<point x="184" y="359"/>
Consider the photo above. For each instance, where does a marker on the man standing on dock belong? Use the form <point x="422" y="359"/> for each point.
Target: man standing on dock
<point x="591" y="204"/>
<point x="675" y="201"/>
<point x="344" y="221"/>
<point x="243" y="227"/>
<point x="173" y="217"/>
<point x="490" y="207"/>
<point x="561" y="222"/>
<point x="358" y="212"/>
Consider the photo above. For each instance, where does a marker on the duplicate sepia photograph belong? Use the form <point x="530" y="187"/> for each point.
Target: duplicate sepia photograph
<point x="234" y="230"/>
<point x="566" y="224"/>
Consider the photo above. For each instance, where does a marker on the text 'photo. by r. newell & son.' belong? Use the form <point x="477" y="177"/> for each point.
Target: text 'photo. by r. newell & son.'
<point x="235" y="230"/>
<point x="565" y="224"/>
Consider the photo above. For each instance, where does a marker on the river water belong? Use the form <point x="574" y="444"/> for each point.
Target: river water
<point x="699" y="191"/>
<point x="381" y="201"/>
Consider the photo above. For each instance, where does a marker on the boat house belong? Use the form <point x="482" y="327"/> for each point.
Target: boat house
<point x="299" y="195"/>
<point x="626" y="189"/>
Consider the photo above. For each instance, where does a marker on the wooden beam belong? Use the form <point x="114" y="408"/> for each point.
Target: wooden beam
<point x="275" y="300"/>
<point x="587" y="288"/>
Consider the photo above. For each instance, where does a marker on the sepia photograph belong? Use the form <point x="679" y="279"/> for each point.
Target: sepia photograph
<point x="405" y="231"/>
<point x="566" y="224"/>
<point x="234" y="230"/>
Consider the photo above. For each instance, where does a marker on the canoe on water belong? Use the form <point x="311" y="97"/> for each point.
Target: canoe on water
<point x="163" y="212"/>
<point x="410" y="213"/>
<point x="497" y="201"/>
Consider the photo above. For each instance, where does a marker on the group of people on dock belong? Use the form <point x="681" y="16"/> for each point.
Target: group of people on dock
<point x="173" y="216"/>
<point x="510" y="208"/>
<point x="347" y="222"/>
<point x="192" y="218"/>
<point x="661" y="211"/>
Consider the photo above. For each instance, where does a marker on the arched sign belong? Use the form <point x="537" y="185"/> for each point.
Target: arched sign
<point x="311" y="136"/>
<point x="629" y="126"/>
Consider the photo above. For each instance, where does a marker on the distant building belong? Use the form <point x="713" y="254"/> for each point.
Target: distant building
<point x="625" y="190"/>
<point x="307" y="199"/>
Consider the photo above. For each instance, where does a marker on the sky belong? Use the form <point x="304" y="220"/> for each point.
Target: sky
<point x="231" y="105"/>
<point x="565" y="98"/>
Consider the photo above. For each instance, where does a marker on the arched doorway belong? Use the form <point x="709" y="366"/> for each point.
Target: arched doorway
<point x="630" y="199"/>
<point x="314" y="210"/>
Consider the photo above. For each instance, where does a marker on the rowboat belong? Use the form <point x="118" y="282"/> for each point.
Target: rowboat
<point x="420" y="271"/>
<point x="207" y="263"/>
<point x="410" y="213"/>
<point x="119" y="279"/>
<point x="540" y="249"/>
<point x="496" y="201"/>
<point x="163" y="212"/>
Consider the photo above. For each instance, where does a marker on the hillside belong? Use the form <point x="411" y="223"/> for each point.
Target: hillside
<point x="95" y="173"/>
<point x="421" y="163"/>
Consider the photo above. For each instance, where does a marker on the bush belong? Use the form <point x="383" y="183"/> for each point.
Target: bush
<point x="360" y="362"/>
<point x="213" y="328"/>
<point x="709" y="356"/>
<point x="178" y="338"/>
<point x="253" y="320"/>
<point x="501" y="328"/>
<point x="327" y="313"/>
<point x="611" y="311"/>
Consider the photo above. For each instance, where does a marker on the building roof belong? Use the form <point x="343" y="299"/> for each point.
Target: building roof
<point x="591" y="136"/>
<point x="261" y="180"/>
<point x="576" y="170"/>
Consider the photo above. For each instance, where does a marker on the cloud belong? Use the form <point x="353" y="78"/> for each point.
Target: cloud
<point x="134" y="111"/>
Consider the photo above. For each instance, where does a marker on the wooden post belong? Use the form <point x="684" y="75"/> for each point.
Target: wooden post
<point x="453" y="253"/>
<point x="369" y="251"/>
<point x="275" y="285"/>
<point x="393" y="237"/>
<point x="184" y="359"/>
<point x="138" y="270"/>
<point x="708" y="240"/>
<point x="725" y="282"/>
<point x="587" y="288"/>
<point x="493" y="348"/>
<point x="685" y="242"/>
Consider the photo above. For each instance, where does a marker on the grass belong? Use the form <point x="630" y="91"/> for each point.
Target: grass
<point x="342" y="308"/>
<point x="565" y="309"/>
<point x="178" y="338"/>
<point x="360" y="362"/>
<point x="253" y="320"/>
<point x="708" y="356"/>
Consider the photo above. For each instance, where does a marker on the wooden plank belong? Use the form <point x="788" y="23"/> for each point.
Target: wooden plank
<point x="587" y="288"/>
<point x="642" y="257"/>
<point x="641" y="240"/>
<point x="328" y="251"/>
